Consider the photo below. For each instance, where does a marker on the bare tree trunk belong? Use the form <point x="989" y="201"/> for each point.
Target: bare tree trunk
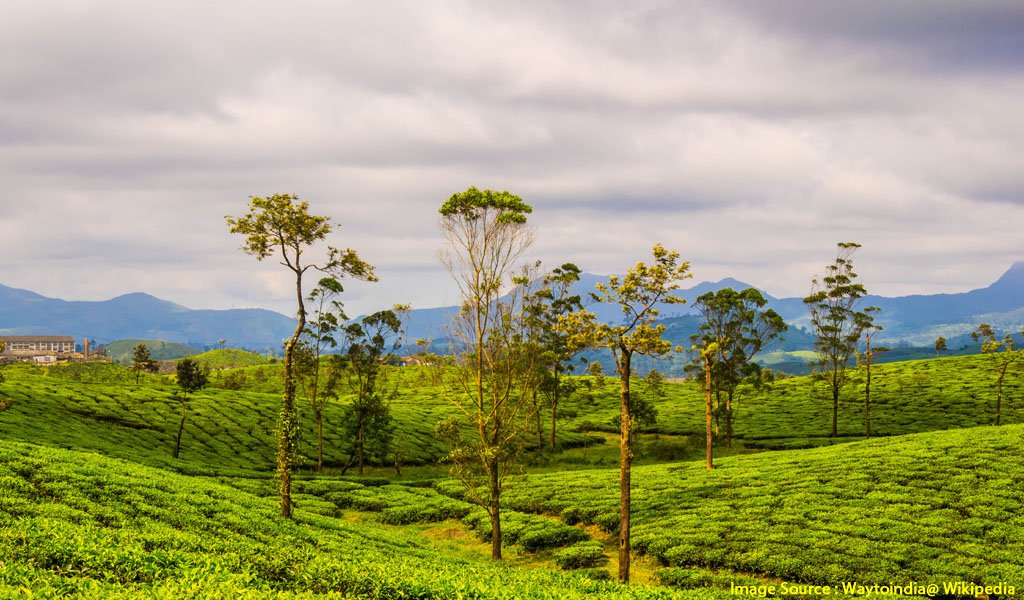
<point x="181" y="428"/>
<point x="728" y="419"/>
<point x="709" y="434"/>
<point x="867" y="395"/>
<point x="540" y="427"/>
<point x="319" y="441"/>
<point x="554" y="405"/>
<point x="999" y="395"/>
<point x="359" y="445"/>
<point x="835" y="405"/>
<point x="495" y="510"/>
<point x="626" y="459"/>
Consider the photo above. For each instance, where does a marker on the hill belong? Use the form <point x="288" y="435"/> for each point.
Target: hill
<point x="227" y="358"/>
<point x="82" y="525"/>
<point x="928" y="509"/>
<point x="121" y="350"/>
<point x="139" y="316"/>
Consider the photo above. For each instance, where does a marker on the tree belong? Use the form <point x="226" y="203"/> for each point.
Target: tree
<point x="1001" y="361"/>
<point x="837" y="322"/>
<point x="191" y="378"/>
<point x="326" y="318"/>
<point x="637" y="294"/>
<point x="740" y="327"/>
<point x="370" y="344"/>
<point x="281" y="225"/>
<point x="865" y="360"/>
<point x="596" y="371"/>
<point x="552" y="301"/>
<point x="141" y="361"/>
<point x="940" y="345"/>
<point x="494" y="374"/>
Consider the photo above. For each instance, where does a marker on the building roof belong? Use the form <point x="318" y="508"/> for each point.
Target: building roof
<point x="37" y="338"/>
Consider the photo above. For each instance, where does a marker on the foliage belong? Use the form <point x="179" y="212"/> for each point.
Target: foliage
<point x="739" y="327"/>
<point x="282" y="224"/>
<point x="370" y="344"/>
<point x="584" y="555"/>
<point x="191" y="377"/>
<point x="552" y="301"/>
<point x="76" y="524"/>
<point x="1001" y="361"/>
<point x="495" y="374"/>
<point x="320" y="336"/>
<point x="926" y="508"/>
<point x="837" y="322"/>
<point x="141" y="361"/>
<point x="637" y="294"/>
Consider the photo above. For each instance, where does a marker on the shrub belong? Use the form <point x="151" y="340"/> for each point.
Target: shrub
<point x="584" y="555"/>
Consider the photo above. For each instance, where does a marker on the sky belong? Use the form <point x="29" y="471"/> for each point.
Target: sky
<point x="750" y="136"/>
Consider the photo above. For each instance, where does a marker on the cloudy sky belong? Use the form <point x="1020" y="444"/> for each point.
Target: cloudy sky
<point x="750" y="136"/>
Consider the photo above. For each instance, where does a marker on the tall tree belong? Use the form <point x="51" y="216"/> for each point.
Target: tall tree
<point x="865" y="360"/>
<point x="837" y="322"/>
<point x="319" y="337"/>
<point x="370" y="344"/>
<point x="142" y="361"/>
<point x="494" y="376"/>
<point x="636" y="294"/>
<point x="940" y="345"/>
<point x="740" y="327"/>
<point x="552" y="301"/>
<point x="1001" y="361"/>
<point x="281" y="225"/>
<point x="191" y="378"/>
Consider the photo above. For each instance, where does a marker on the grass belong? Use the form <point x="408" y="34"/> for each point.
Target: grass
<point x="933" y="506"/>
<point x="121" y="350"/>
<point x="81" y="525"/>
<point x="926" y="508"/>
<point x="228" y="358"/>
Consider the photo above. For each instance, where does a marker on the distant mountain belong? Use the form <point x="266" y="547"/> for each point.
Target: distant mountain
<point x="908" y="320"/>
<point x="139" y="316"/>
<point x="919" y="319"/>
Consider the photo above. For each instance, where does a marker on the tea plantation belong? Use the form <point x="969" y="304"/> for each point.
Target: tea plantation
<point x="93" y="505"/>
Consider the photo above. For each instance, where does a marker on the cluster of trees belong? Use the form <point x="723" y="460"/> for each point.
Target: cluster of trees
<point x="515" y="337"/>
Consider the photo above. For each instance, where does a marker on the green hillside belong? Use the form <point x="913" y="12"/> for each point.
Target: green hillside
<point x="227" y="358"/>
<point x="121" y="350"/>
<point x="82" y="525"/>
<point x="928" y="508"/>
<point x="933" y="506"/>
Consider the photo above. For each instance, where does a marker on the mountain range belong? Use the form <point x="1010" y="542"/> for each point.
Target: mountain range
<point x="908" y="320"/>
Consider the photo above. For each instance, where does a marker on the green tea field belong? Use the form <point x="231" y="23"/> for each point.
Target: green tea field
<point x="94" y="506"/>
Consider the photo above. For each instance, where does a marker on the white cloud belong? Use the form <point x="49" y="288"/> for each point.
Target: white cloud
<point x="750" y="139"/>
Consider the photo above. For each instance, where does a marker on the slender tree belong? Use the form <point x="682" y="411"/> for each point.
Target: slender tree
<point x="141" y="361"/>
<point x="940" y="345"/>
<point x="837" y="322"/>
<point x="637" y="294"/>
<point x="494" y="375"/>
<point x="865" y="360"/>
<point x="740" y="327"/>
<point x="552" y="301"/>
<point x="370" y="343"/>
<point x="281" y="225"/>
<point x="1001" y="361"/>
<point x="191" y="378"/>
<point x="319" y="337"/>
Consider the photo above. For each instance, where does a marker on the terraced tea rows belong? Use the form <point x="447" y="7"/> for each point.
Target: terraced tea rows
<point x="927" y="508"/>
<point x="81" y="525"/>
